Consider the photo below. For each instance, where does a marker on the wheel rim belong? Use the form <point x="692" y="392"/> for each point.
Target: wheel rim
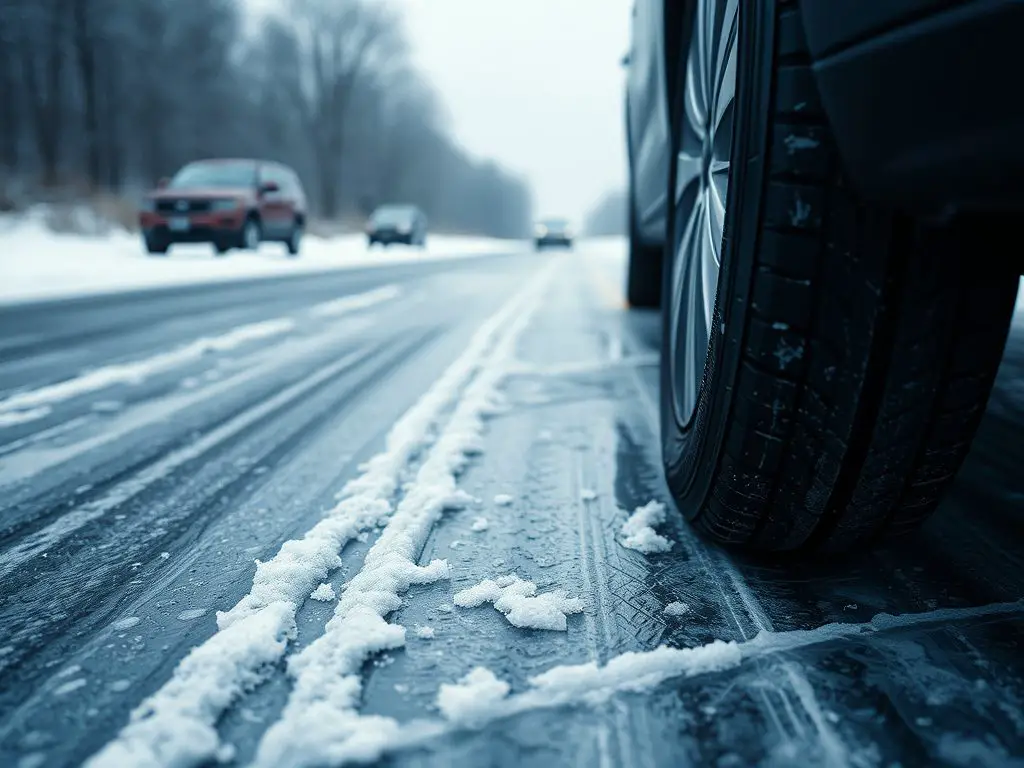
<point x="701" y="195"/>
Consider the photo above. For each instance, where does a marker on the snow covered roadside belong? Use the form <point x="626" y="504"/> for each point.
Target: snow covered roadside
<point x="36" y="263"/>
<point x="177" y="726"/>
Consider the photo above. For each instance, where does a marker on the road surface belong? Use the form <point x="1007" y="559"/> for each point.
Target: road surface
<point x="155" y="446"/>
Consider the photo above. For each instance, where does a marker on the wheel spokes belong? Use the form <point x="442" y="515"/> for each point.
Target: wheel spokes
<point x="703" y="168"/>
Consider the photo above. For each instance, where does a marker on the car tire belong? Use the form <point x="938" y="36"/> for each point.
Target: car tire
<point x="251" y="235"/>
<point x="850" y="353"/>
<point x="294" y="241"/>
<point x="156" y="246"/>
<point x="221" y="249"/>
<point x="643" y="278"/>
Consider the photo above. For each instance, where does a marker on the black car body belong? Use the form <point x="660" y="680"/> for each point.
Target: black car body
<point x="553" y="232"/>
<point x="812" y="183"/>
<point x="403" y="224"/>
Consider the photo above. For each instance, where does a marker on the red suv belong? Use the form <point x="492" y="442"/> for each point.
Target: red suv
<point x="229" y="203"/>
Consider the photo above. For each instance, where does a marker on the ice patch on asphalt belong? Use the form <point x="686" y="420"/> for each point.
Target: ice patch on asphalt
<point x="638" y="531"/>
<point x="177" y="725"/>
<point x="321" y="723"/>
<point x="24" y="404"/>
<point x="518" y="600"/>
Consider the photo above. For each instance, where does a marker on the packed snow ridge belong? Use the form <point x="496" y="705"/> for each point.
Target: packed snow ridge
<point x="518" y="600"/>
<point x="320" y="722"/>
<point x="638" y="531"/>
<point x="177" y="725"/>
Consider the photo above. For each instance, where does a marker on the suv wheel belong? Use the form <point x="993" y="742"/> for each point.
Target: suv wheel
<point x="825" y="364"/>
<point x="156" y="246"/>
<point x="251" y="235"/>
<point x="294" y="243"/>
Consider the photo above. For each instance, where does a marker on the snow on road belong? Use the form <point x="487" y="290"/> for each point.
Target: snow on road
<point x="37" y="403"/>
<point x="177" y="726"/>
<point x="37" y="263"/>
<point x="321" y="721"/>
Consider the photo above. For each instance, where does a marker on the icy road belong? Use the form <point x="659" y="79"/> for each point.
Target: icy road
<point x="414" y="515"/>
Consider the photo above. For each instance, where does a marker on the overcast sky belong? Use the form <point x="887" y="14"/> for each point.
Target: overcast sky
<point x="534" y="84"/>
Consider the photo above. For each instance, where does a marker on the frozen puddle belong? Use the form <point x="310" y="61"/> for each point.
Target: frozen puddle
<point x="177" y="726"/>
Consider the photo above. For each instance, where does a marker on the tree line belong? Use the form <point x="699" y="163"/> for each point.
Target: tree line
<point x="111" y="95"/>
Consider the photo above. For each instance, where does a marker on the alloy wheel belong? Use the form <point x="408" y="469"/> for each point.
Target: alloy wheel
<point x="701" y="194"/>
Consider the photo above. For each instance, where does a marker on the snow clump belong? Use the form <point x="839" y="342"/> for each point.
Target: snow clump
<point x="324" y="593"/>
<point x="638" y="531"/>
<point x="480" y="524"/>
<point x="519" y="601"/>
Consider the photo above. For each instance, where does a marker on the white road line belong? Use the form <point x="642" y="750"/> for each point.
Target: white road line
<point x="321" y="719"/>
<point x="177" y="726"/>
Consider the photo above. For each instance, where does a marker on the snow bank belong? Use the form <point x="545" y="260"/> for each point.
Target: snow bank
<point x="518" y="600"/>
<point x="321" y="723"/>
<point x="176" y="726"/>
<point x="638" y="531"/>
<point x="37" y="263"/>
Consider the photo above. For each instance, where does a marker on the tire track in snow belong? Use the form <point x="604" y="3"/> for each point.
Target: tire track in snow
<point x="321" y="722"/>
<point x="177" y="725"/>
<point x="750" y="620"/>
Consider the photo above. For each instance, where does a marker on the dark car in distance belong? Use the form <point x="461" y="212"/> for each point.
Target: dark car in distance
<point x="825" y="203"/>
<point x="403" y="224"/>
<point x="552" y="232"/>
<point x="228" y="203"/>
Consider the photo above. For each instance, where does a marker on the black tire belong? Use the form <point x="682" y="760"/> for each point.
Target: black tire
<point x="156" y="246"/>
<point x="643" y="278"/>
<point x="852" y="351"/>
<point x="221" y="248"/>
<point x="294" y="241"/>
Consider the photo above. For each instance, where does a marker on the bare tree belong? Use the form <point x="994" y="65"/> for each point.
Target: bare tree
<point x="339" y="41"/>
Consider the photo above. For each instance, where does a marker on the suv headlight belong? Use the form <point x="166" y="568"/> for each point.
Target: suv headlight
<point x="223" y="205"/>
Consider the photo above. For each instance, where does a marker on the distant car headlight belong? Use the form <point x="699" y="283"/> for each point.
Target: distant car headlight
<point x="541" y="230"/>
<point x="223" y="205"/>
<point x="404" y="229"/>
<point x="148" y="206"/>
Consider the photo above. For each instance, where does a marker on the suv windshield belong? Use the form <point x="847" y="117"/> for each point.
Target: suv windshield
<point x="394" y="215"/>
<point x="215" y="175"/>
